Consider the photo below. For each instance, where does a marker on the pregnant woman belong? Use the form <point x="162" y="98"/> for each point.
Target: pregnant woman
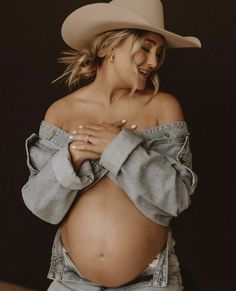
<point x="112" y="163"/>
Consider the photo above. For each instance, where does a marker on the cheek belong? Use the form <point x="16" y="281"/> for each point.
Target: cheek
<point x="139" y="58"/>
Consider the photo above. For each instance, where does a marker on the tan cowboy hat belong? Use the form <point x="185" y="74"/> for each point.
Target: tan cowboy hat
<point x="82" y="25"/>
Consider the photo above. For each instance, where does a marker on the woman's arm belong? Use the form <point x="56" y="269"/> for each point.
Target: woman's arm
<point x="53" y="182"/>
<point x="159" y="177"/>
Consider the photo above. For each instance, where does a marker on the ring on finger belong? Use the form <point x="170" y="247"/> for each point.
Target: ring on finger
<point x="87" y="139"/>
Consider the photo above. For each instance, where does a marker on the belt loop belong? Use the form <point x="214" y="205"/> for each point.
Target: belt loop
<point x="167" y="253"/>
<point x="59" y="259"/>
<point x="161" y="270"/>
<point x="172" y="242"/>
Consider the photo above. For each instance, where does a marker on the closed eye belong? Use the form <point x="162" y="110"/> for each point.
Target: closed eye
<point x="147" y="50"/>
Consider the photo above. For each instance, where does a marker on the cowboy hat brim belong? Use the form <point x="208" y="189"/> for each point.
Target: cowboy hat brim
<point x="83" y="24"/>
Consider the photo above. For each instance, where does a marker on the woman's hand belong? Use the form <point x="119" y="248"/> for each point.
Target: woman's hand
<point x="99" y="136"/>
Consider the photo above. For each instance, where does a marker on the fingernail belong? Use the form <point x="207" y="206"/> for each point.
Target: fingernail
<point x="101" y="121"/>
<point x="74" y="147"/>
<point x="81" y="126"/>
<point x="74" y="131"/>
<point x="123" y="120"/>
<point x="71" y="137"/>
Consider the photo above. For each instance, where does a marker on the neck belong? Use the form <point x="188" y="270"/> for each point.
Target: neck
<point x="107" y="89"/>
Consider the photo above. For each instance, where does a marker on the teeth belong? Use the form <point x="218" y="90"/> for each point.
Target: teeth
<point x="142" y="71"/>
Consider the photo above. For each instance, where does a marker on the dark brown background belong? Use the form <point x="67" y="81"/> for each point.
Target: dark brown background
<point x="204" y="82"/>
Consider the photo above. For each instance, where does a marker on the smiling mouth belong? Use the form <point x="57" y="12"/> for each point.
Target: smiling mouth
<point x="143" y="73"/>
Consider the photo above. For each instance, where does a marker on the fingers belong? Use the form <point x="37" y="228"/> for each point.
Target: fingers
<point x="82" y="138"/>
<point x="82" y="133"/>
<point x="120" y="122"/>
<point x="88" y="138"/>
<point x="91" y="128"/>
<point x="78" y="145"/>
<point x="83" y="147"/>
<point x="117" y="123"/>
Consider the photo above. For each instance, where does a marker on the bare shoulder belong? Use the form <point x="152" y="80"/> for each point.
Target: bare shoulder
<point x="57" y="111"/>
<point x="167" y="108"/>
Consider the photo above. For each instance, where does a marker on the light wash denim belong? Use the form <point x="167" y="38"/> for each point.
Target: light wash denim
<point x="153" y="167"/>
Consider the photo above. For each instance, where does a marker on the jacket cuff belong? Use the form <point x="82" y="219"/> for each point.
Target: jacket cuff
<point x="65" y="172"/>
<point x="118" y="150"/>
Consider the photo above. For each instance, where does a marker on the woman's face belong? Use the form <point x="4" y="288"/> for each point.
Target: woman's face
<point x="147" y="58"/>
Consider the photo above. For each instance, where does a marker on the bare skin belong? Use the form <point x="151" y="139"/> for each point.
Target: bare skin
<point x="109" y="240"/>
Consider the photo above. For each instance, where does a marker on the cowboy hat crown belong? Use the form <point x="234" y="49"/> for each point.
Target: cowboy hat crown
<point x="82" y="25"/>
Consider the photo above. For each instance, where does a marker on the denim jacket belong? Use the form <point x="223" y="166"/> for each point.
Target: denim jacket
<point x="153" y="167"/>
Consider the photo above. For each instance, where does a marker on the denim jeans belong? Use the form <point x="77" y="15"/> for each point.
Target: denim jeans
<point x="163" y="273"/>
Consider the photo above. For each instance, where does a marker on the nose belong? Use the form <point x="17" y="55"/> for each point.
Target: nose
<point x="152" y="61"/>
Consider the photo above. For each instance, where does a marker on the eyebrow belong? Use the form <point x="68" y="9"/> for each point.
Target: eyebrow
<point x="153" y="42"/>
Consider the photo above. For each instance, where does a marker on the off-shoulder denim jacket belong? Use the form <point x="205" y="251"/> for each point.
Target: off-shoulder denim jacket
<point x="153" y="167"/>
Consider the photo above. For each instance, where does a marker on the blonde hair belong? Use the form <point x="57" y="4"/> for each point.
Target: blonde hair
<point x="82" y="65"/>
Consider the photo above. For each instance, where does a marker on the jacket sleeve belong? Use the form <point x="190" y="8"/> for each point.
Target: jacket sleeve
<point x="158" y="178"/>
<point x="53" y="183"/>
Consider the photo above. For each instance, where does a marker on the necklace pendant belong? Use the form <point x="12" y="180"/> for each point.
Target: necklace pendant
<point x="133" y="126"/>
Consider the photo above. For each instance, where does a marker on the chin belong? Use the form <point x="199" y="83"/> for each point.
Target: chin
<point x="141" y="86"/>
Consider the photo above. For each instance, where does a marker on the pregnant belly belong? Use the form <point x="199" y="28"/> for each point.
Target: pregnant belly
<point x="108" y="239"/>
